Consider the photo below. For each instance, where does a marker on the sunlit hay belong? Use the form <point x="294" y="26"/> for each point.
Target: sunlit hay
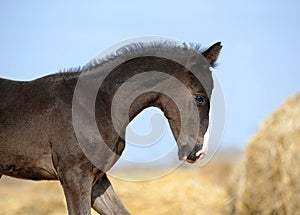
<point x="31" y="198"/>
<point x="268" y="180"/>
<point x="185" y="191"/>
<point x="190" y="191"/>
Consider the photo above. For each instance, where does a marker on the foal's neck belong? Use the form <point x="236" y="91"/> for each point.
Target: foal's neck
<point x="128" y="89"/>
<point x="138" y="84"/>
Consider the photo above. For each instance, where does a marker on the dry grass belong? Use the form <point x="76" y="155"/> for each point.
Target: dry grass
<point x="28" y="197"/>
<point x="267" y="182"/>
<point x="185" y="191"/>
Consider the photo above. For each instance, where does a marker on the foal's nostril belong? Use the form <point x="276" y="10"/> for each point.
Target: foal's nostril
<point x="194" y="154"/>
<point x="190" y="154"/>
<point x="192" y="157"/>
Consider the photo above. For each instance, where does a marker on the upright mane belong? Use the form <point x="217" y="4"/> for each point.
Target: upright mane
<point x="136" y="49"/>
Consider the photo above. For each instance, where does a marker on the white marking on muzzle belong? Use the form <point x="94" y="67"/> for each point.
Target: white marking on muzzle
<point x="205" y="144"/>
<point x="199" y="152"/>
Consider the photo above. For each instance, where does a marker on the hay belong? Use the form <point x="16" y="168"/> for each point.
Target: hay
<point x="268" y="179"/>
<point x="189" y="190"/>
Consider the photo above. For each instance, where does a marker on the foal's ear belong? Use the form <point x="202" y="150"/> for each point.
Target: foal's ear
<point x="212" y="53"/>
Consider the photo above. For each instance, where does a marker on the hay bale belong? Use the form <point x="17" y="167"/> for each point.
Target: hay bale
<point x="268" y="179"/>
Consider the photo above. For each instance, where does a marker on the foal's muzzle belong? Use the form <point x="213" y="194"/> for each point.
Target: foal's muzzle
<point x="191" y="155"/>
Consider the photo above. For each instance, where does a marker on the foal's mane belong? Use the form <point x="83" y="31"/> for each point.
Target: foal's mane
<point x="134" y="49"/>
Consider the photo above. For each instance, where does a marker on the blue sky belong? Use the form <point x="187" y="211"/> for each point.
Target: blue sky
<point x="257" y="68"/>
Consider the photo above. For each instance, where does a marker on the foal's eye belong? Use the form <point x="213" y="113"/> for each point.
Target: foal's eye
<point x="200" y="99"/>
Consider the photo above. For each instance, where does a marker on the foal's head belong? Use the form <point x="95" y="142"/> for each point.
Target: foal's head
<point x="189" y="119"/>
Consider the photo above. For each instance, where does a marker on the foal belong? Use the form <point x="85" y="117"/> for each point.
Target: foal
<point x="43" y="138"/>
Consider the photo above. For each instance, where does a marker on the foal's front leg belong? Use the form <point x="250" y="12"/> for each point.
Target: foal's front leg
<point x="104" y="199"/>
<point x="77" y="189"/>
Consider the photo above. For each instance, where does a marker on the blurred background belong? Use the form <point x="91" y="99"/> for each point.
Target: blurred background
<point x="256" y="71"/>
